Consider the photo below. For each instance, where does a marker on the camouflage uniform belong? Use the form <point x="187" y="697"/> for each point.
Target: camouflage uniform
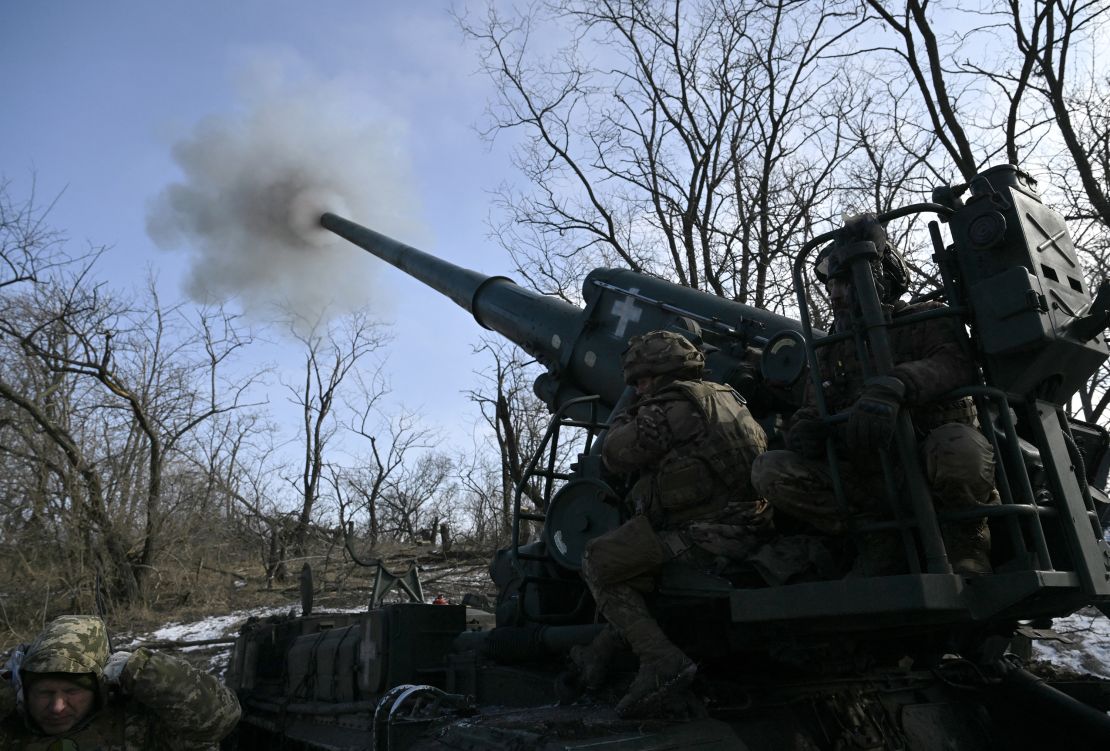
<point x="692" y="444"/>
<point x="158" y="702"/>
<point x="930" y="361"/>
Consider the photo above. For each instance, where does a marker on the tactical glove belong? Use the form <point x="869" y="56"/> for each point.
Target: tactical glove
<point x="874" y="416"/>
<point x="807" y="437"/>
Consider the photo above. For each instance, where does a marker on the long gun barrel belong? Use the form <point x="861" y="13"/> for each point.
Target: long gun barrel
<point x="497" y="303"/>
<point x="581" y="347"/>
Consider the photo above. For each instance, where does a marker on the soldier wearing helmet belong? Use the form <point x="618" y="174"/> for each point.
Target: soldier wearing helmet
<point x="688" y="445"/>
<point x="930" y="361"/>
<point x="64" y="691"/>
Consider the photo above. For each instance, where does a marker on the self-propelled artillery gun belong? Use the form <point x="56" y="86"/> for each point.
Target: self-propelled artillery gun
<point x="928" y="659"/>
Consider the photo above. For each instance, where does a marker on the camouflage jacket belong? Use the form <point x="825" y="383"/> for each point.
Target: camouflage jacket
<point x="929" y="357"/>
<point x="159" y="702"/>
<point x="693" y="444"/>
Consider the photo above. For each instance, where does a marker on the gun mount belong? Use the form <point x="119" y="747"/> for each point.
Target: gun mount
<point x="913" y="661"/>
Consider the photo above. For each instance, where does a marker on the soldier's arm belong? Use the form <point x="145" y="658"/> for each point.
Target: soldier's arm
<point x="191" y="707"/>
<point x="944" y="364"/>
<point x="639" y="438"/>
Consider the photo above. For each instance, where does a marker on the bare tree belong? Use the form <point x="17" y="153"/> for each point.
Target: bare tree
<point x="394" y="440"/>
<point x="1024" y="82"/>
<point x="517" y="419"/>
<point x="158" y="380"/>
<point x="332" y="351"/>
<point x="29" y="245"/>
<point x="421" y="498"/>
<point x="696" y="145"/>
<point x="103" y="394"/>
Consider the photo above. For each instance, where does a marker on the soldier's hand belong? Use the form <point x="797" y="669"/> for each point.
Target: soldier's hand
<point x="874" y="416"/>
<point x="114" y="669"/>
<point x="653" y="432"/>
<point x="807" y="437"/>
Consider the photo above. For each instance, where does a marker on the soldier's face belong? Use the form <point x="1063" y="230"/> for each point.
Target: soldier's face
<point x="644" y="384"/>
<point x="840" y="294"/>
<point x="56" y="705"/>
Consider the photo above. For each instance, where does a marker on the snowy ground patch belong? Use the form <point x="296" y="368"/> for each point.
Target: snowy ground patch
<point x="213" y="627"/>
<point x="1088" y="646"/>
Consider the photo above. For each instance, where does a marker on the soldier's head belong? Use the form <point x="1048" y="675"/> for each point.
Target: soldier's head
<point x="889" y="269"/>
<point x="61" y="673"/>
<point x="58" y="702"/>
<point x="659" y="357"/>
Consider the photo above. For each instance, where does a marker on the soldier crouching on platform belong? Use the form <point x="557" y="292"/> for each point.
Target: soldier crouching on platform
<point x="65" y="692"/>
<point x="692" y="444"/>
<point x="930" y="360"/>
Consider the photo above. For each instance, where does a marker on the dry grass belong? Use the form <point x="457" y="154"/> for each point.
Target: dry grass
<point x="192" y="585"/>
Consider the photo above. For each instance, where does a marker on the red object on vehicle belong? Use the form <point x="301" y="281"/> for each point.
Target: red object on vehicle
<point x="440" y="600"/>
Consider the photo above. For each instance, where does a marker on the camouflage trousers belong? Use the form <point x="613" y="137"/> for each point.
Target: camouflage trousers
<point x="958" y="462"/>
<point x="620" y="566"/>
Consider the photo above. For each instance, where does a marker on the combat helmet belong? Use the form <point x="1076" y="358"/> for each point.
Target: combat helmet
<point x="892" y="276"/>
<point x="659" y="353"/>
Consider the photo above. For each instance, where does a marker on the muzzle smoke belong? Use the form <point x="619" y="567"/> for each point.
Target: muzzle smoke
<point x="255" y="184"/>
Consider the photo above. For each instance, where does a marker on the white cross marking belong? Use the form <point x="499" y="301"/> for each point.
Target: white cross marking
<point x="626" y="311"/>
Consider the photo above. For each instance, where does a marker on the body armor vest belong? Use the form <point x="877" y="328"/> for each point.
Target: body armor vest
<point x="700" y="476"/>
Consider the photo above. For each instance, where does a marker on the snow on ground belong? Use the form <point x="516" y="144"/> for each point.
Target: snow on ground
<point x="1087" y="649"/>
<point x="1084" y="646"/>
<point x="213" y="627"/>
<point x="445" y="579"/>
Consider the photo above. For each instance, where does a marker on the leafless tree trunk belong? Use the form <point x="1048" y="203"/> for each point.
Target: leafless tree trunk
<point x="518" y="420"/>
<point x="115" y="387"/>
<point x="332" y="351"/>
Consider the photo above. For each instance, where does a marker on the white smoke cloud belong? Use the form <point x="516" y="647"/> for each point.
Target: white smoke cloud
<point x="256" y="181"/>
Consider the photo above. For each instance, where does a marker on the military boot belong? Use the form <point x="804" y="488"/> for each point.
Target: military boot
<point x="594" y="660"/>
<point x="968" y="545"/>
<point x="665" y="672"/>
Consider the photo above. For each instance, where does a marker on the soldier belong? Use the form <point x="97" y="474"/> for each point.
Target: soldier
<point x="691" y="444"/>
<point x="65" y="692"/>
<point x="930" y="360"/>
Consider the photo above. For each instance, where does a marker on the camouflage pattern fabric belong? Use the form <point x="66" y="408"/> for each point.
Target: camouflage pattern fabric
<point x="160" y="701"/>
<point x="929" y="358"/>
<point x="632" y="552"/>
<point x="959" y="465"/>
<point x="69" y="644"/>
<point x="803" y="488"/>
<point x="958" y="462"/>
<point x="693" y="444"/>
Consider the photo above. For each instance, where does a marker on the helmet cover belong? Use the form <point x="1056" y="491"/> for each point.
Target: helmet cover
<point x="658" y="353"/>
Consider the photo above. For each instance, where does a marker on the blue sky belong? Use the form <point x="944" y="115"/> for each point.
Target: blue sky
<point x="98" y="93"/>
